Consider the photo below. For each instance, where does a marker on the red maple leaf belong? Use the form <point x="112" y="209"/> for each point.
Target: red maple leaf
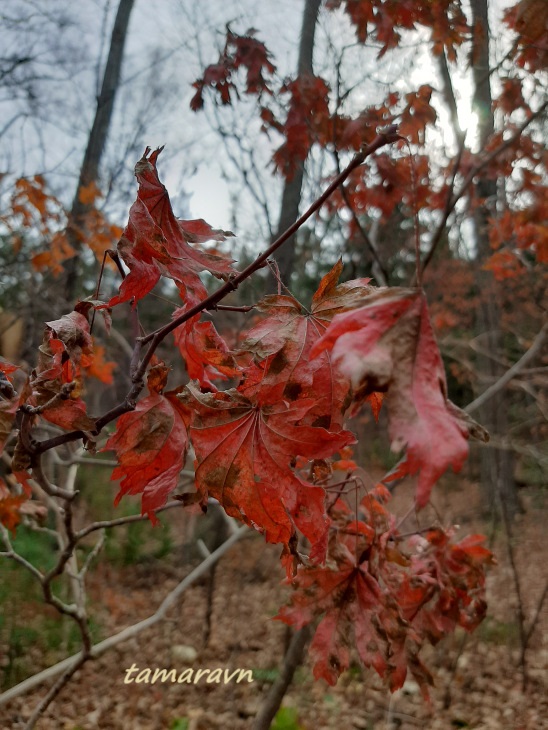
<point x="387" y="345"/>
<point x="240" y="52"/>
<point x="308" y="121"/>
<point x="417" y="115"/>
<point x="156" y="243"/>
<point x="204" y="351"/>
<point x="10" y="507"/>
<point x="282" y="344"/>
<point x="9" y="401"/>
<point x="361" y="14"/>
<point x="244" y="453"/>
<point x="151" y="444"/>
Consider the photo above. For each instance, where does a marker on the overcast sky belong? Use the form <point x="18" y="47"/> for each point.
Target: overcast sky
<point x="169" y="43"/>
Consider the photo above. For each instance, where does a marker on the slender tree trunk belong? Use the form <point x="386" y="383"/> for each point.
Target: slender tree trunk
<point x="89" y="171"/>
<point x="292" y="660"/>
<point x="497" y="466"/>
<point x="291" y="196"/>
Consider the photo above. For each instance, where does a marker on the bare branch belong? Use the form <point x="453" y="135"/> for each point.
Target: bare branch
<point x="531" y="353"/>
<point x="104" y="524"/>
<point x="75" y="661"/>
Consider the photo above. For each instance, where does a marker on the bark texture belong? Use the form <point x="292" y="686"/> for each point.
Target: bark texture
<point x="291" y="196"/>
<point x="497" y="465"/>
<point x="89" y="171"/>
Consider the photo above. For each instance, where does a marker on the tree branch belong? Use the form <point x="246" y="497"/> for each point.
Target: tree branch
<point x="75" y="661"/>
<point x="531" y="353"/>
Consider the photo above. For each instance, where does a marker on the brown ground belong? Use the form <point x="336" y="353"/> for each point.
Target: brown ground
<point x="478" y="681"/>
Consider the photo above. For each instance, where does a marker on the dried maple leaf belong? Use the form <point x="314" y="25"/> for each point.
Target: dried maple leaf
<point x="387" y="345"/>
<point x="240" y="52"/>
<point x="350" y="597"/>
<point x="384" y="599"/>
<point x="10" y="507"/>
<point x="56" y="382"/>
<point x="244" y="453"/>
<point x="204" y="351"/>
<point x="282" y="344"/>
<point x="9" y="402"/>
<point x="451" y="576"/>
<point x="151" y="444"/>
<point x="156" y="243"/>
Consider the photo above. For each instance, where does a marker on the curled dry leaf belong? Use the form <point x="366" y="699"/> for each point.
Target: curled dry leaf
<point x="156" y="243"/>
<point x="9" y="401"/>
<point x="387" y="345"/>
<point x="56" y="383"/>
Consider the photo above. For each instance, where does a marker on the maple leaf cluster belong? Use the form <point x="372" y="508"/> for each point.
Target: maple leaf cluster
<point x="385" y="21"/>
<point x="240" y="52"/>
<point x="296" y="374"/>
<point x="269" y="447"/>
<point x="266" y="421"/>
<point x="32" y="208"/>
<point x="381" y="596"/>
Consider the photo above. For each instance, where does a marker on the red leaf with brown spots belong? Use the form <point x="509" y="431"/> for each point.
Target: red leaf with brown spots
<point x="282" y="344"/>
<point x="151" y="444"/>
<point x="244" y="453"/>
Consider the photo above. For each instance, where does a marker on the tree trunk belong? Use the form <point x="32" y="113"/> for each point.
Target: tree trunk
<point x="292" y="660"/>
<point x="291" y="196"/>
<point x="89" y="171"/>
<point x="497" y="468"/>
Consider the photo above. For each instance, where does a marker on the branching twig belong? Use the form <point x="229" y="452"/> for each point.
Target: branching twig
<point x="531" y="353"/>
<point x="130" y="631"/>
<point x="12" y="555"/>
<point x="104" y="524"/>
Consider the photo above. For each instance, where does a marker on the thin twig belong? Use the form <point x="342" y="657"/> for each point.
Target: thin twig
<point x="531" y="353"/>
<point x="56" y="689"/>
<point x="382" y="274"/>
<point x="128" y="519"/>
<point x="536" y="616"/>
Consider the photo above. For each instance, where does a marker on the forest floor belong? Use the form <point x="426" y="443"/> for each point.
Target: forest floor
<point x="478" y="677"/>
